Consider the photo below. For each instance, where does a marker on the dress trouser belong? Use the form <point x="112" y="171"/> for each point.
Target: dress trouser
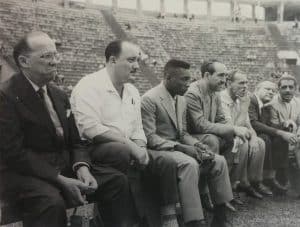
<point x="43" y="204"/>
<point x="268" y="164"/>
<point x="250" y="164"/>
<point x="161" y="167"/>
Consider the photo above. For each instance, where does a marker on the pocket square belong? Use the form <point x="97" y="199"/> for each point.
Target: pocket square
<point x="68" y="113"/>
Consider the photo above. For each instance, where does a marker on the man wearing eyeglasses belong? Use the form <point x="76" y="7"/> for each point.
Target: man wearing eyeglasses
<point x="44" y="165"/>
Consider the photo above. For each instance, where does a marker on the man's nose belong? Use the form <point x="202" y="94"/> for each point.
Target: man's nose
<point x="54" y="61"/>
<point x="136" y="65"/>
<point x="223" y="79"/>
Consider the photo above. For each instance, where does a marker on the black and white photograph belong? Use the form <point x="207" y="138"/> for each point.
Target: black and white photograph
<point x="149" y="113"/>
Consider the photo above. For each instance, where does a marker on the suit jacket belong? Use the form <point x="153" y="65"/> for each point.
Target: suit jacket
<point x="258" y="118"/>
<point x="163" y="125"/>
<point x="205" y="114"/>
<point x="278" y="112"/>
<point x="29" y="144"/>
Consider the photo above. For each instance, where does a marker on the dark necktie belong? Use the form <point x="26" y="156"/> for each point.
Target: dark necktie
<point x="40" y="93"/>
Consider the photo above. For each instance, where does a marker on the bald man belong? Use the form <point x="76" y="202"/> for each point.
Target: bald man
<point x="250" y="152"/>
<point x="263" y="95"/>
<point x="44" y="165"/>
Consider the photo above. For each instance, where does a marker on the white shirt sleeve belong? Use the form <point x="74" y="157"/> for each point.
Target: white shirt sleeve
<point x="87" y="115"/>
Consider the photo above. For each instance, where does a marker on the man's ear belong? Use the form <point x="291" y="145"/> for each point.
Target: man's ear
<point x="112" y="59"/>
<point x="168" y="76"/>
<point x="23" y="61"/>
<point x="206" y="75"/>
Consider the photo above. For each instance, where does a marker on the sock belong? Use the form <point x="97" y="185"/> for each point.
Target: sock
<point x="168" y="216"/>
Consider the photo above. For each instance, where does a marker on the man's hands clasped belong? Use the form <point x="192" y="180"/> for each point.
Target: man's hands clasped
<point x="76" y="189"/>
<point x="199" y="151"/>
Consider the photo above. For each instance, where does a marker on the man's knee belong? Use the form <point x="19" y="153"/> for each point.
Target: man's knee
<point x="192" y="165"/>
<point x="261" y="148"/>
<point x="167" y="162"/>
<point x="220" y="163"/>
<point x="119" y="185"/>
<point x="213" y="142"/>
<point x="115" y="150"/>
<point x="266" y="138"/>
<point x="121" y="180"/>
<point x="261" y="144"/>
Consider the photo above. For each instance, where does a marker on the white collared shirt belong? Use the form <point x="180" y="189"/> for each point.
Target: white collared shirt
<point x="235" y="111"/>
<point x="260" y="103"/>
<point x="98" y="108"/>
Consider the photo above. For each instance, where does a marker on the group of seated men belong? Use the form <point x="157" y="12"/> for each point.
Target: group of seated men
<point x="197" y="141"/>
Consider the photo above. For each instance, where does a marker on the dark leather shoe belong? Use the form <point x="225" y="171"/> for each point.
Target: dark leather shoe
<point x="220" y="217"/>
<point x="262" y="189"/>
<point x="237" y="199"/>
<point x="201" y="223"/>
<point x="274" y="185"/>
<point x="250" y="191"/>
<point x="206" y="202"/>
<point x="220" y="223"/>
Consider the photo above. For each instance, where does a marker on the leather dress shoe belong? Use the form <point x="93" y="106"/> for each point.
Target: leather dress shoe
<point x="250" y="191"/>
<point x="229" y="206"/>
<point x="262" y="189"/>
<point x="206" y="202"/>
<point x="220" y="218"/>
<point x="237" y="199"/>
<point x="274" y="185"/>
<point x="201" y="223"/>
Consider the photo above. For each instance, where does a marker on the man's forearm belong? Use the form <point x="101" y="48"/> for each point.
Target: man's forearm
<point x="109" y="136"/>
<point x="140" y="143"/>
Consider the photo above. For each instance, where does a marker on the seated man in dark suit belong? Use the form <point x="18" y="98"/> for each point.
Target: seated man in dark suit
<point x="41" y="151"/>
<point x="164" y="121"/>
<point x="263" y="94"/>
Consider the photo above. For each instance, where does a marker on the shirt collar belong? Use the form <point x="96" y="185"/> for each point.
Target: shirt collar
<point x="227" y="98"/>
<point x="35" y="87"/>
<point x="260" y="103"/>
<point x="109" y="85"/>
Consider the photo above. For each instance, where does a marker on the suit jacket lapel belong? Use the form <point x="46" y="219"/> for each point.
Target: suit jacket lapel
<point x="59" y="107"/>
<point x="205" y="97"/>
<point x="179" y="112"/>
<point x="213" y="107"/>
<point x="27" y="95"/>
<point x="167" y="104"/>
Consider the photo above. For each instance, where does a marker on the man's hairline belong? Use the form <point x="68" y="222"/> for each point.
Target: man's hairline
<point x="288" y="79"/>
